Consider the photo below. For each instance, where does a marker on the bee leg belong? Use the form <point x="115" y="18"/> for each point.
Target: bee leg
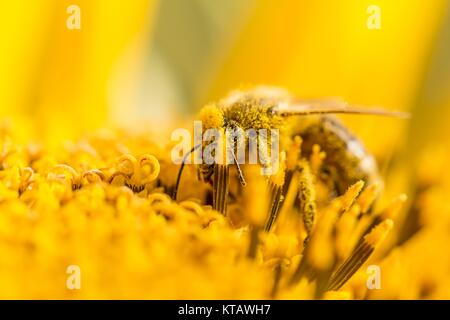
<point x="180" y="172"/>
<point x="307" y="197"/>
<point x="299" y="184"/>
<point x="276" y="192"/>
<point x="239" y="170"/>
<point x="221" y="183"/>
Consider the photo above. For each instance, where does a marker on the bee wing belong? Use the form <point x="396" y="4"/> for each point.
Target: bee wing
<point x="335" y="105"/>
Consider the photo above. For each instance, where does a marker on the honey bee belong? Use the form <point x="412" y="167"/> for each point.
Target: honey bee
<point x="310" y="121"/>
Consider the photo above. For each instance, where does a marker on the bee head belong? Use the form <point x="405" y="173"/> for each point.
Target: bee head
<point x="211" y="117"/>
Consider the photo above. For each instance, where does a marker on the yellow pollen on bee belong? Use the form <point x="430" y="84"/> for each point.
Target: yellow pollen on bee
<point x="211" y="117"/>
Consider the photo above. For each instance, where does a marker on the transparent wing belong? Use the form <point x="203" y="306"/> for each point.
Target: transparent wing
<point x="333" y="105"/>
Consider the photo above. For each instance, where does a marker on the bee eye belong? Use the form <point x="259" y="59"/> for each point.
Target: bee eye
<point x="271" y="111"/>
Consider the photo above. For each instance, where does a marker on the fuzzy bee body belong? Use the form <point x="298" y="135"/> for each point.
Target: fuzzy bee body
<point x="346" y="160"/>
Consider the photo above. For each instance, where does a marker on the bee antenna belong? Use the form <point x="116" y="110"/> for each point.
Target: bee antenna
<point x="240" y="174"/>
<point x="180" y="172"/>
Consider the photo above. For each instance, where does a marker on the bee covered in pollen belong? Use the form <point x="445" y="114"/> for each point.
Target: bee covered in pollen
<point x="305" y="130"/>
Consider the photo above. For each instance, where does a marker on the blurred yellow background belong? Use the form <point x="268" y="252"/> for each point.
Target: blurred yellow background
<point x="147" y="62"/>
